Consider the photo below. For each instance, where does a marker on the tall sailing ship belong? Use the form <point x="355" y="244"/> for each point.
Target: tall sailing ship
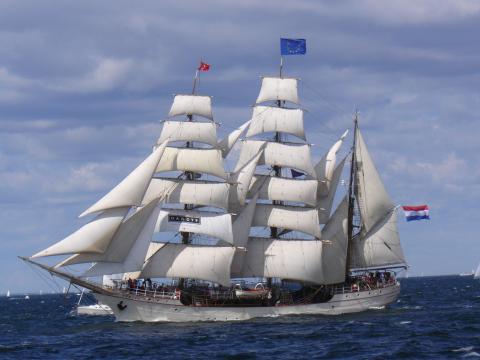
<point x="259" y="241"/>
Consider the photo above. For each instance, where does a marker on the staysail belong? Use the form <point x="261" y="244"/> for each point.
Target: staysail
<point x="378" y="243"/>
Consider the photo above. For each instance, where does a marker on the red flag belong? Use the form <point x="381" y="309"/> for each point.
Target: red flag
<point x="204" y="66"/>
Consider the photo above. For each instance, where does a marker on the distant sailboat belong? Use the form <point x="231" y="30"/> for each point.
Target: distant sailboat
<point x="8" y="293"/>
<point x="477" y="273"/>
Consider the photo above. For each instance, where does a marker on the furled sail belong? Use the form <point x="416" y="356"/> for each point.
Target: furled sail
<point x="286" y="259"/>
<point x="380" y="246"/>
<point x="192" y="105"/>
<point x="334" y="253"/>
<point x="274" y="88"/>
<point x="373" y="199"/>
<point x="210" y="263"/>
<point x="286" y="189"/>
<point x="207" y="161"/>
<point x="131" y="190"/>
<point x="217" y="225"/>
<point x="198" y="192"/>
<point x="272" y="119"/>
<point x="227" y="143"/>
<point x="325" y="167"/>
<point x="204" y="132"/>
<point x="278" y="154"/>
<point x="93" y="237"/>
<point x="297" y="218"/>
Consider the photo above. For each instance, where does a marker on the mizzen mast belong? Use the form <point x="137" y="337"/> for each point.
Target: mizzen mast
<point x="351" y="198"/>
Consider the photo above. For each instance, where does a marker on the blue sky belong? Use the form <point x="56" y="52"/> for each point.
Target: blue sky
<point x="83" y="86"/>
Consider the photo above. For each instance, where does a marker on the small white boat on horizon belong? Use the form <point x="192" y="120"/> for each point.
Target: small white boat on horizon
<point x="477" y="273"/>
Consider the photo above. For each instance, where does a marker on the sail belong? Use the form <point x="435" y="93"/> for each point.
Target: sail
<point x="131" y="190"/>
<point x="207" y="161"/>
<point x="274" y="88"/>
<point x="324" y="203"/>
<point x="125" y="237"/>
<point x="210" y="263"/>
<point x="192" y="105"/>
<point x="240" y="182"/>
<point x="286" y="189"/>
<point x="243" y="222"/>
<point x="373" y="199"/>
<point x="286" y="259"/>
<point x="93" y="237"/>
<point x="380" y="246"/>
<point x="128" y="249"/>
<point x="241" y="231"/>
<point x="476" y="275"/>
<point x="296" y="156"/>
<point x="217" y="225"/>
<point x="272" y="119"/>
<point x="288" y="217"/>
<point x="334" y="253"/>
<point x="198" y="192"/>
<point x="325" y="167"/>
<point x="227" y="143"/>
<point x="204" y="132"/>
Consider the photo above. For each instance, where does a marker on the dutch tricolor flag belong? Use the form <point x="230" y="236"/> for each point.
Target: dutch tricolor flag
<point x="419" y="212"/>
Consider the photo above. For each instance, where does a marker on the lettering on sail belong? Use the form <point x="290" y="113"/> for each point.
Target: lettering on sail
<point x="182" y="218"/>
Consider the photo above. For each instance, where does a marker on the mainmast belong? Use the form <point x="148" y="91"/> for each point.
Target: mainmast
<point x="277" y="169"/>
<point x="351" y="197"/>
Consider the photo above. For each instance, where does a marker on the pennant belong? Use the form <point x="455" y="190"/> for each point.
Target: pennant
<point x="420" y="212"/>
<point x="293" y="46"/>
<point x="296" y="173"/>
<point x="204" y="66"/>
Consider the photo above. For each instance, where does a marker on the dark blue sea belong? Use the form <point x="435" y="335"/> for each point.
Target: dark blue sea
<point x="435" y="318"/>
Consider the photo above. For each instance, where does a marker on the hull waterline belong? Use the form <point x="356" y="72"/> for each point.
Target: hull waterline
<point x="127" y="309"/>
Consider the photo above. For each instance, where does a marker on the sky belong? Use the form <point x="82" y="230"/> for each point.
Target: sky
<point x="84" y="86"/>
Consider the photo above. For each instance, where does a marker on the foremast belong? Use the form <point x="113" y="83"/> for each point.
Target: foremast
<point x="119" y="238"/>
<point x="189" y="175"/>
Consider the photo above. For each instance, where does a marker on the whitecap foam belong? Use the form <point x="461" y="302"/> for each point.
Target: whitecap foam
<point x="472" y="354"/>
<point x="463" y="349"/>
<point x="405" y="322"/>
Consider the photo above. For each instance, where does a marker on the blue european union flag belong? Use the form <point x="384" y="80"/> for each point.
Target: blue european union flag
<point x="293" y="46"/>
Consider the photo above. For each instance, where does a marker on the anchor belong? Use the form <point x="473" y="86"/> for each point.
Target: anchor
<point x="121" y="306"/>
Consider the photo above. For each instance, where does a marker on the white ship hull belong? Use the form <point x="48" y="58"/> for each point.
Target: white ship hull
<point x="148" y="311"/>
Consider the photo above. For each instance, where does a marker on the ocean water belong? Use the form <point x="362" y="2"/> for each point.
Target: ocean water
<point x="435" y="318"/>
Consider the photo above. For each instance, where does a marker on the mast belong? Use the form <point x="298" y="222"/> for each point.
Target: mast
<point x="278" y="172"/>
<point x="351" y="198"/>
<point x="189" y="175"/>
<point x="277" y="169"/>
